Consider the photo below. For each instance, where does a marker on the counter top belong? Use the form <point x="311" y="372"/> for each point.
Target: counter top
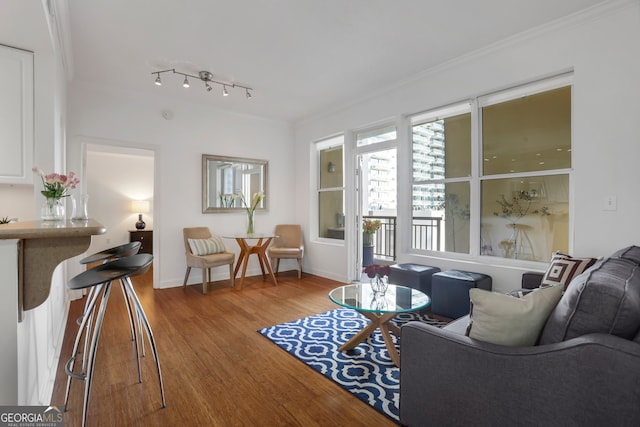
<point x="50" y="229"/>
<point x="42" y="245"/>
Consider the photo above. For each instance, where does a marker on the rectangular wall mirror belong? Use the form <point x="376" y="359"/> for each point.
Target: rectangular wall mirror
<point x="225" y="178"/>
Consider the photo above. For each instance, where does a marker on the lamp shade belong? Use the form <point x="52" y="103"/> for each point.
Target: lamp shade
<point x="140" y="206"/>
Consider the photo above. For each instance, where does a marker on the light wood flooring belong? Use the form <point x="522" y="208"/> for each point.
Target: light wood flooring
<point x="218" y="370"/>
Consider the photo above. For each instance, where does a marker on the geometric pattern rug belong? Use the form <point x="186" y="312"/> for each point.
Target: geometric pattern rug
<point x="366" y="371"/>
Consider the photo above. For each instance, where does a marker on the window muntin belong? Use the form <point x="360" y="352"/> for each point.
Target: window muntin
<point x="331" y="188"/>
<point x="530" y="133"/>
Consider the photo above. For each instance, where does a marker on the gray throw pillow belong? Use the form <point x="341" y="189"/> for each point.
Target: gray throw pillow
<point x="632" y="253"/>
<point x="604" y="299"/>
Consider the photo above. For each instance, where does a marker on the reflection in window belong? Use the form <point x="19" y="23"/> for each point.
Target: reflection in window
<point x="331" y="188"/>
<point x="525" y="218"/>
<point x="530" y="133"/>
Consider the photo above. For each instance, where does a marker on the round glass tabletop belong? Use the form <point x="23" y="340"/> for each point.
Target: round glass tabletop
<point x="396" y="299"/>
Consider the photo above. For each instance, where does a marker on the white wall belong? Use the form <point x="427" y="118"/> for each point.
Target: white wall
<point x="115" y="117"/>
<point x="601" y="48"/>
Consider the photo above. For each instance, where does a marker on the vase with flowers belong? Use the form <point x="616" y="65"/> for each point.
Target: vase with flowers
<point x="56" y="187"/>
<point x="256" y="199"/>
<point x="378" y="277"/>
<point x="369" y="228"/>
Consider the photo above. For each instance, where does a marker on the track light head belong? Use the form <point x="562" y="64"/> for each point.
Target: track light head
<point x="225" y="92"/>
<point x="158" y="82"/>
<point x="248" y="94"/>
<point x="186" y="82"/>
<point x="207" y="86"/>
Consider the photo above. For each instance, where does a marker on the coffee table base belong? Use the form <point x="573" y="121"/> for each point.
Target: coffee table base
<point x="377" y="321"/>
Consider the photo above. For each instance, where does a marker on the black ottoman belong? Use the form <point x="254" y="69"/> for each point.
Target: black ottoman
<point x="450" y="291"/>
<point x="414" y="276"/>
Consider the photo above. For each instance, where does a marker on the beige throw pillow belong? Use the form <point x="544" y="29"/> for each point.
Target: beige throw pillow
<point x="507" y="320"/>
<point x="212" y="245"/>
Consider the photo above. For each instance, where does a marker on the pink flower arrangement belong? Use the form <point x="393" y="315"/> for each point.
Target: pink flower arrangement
<point x="374" y="270"/>
<point x="56" y="185"/>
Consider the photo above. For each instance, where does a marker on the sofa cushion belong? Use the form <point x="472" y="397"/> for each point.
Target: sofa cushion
<point x="563" y="268"/>
<point x="212" y="245"/>
<point x="507" y="320"/>
<point x="604" y="299"/>
<point x="631" y="253"/>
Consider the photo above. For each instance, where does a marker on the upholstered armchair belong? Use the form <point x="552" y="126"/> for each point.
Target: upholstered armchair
<point x="205" y="251"/>
<point x="288" y="245"/>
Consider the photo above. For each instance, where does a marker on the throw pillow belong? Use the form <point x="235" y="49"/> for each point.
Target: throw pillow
<point x="603" y="300"/>
<point x="564" y="268"/>
<point x="212" y="245"/>
<point x="506" y="320"/>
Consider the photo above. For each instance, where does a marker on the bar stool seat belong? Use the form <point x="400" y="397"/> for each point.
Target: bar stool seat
<point x="100" y="278"/>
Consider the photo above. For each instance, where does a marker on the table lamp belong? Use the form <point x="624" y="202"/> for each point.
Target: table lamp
<point x="140" y="207"/>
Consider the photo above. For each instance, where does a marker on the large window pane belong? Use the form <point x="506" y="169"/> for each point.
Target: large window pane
<point x="441" y="217"/>
<point x="331" y="214"/>
<point x="532" y="133"/>
<point x="525" y="218"/>
<point x="442" y="148"/>
<point x="331" y="173"/>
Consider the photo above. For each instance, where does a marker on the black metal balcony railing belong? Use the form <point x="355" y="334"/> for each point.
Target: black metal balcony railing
<point x="425" y="234"/>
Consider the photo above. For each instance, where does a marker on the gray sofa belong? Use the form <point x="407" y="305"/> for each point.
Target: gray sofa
<point x="585" y="370"/>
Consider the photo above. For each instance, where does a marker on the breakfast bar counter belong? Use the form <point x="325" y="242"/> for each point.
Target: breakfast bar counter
<point x="41" y="246"/>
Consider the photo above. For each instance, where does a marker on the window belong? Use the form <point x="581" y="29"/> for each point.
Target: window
<point x="526" y="146"/>
<point x="441" y="146"/>
<point x="331" y="188"/>
<point x="519" y="194"/>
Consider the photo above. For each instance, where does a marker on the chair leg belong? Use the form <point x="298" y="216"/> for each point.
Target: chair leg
<point x="205" y="280"/>
<point x="186" y="276"/>
<point x="231" y="278"/>
<point x="277" y="265"/>
<point x="299" y="268"/>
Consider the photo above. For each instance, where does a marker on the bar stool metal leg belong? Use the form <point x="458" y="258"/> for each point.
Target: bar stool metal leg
<point x="92" y="350"/>
<point x="84" y="329"/>
<point x="152" y="341"/>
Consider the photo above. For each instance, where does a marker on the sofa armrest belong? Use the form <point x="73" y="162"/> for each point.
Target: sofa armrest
<point x="531" y="279"/>
<point x="451" y="379"/>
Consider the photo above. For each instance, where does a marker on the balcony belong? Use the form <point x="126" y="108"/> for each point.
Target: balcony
<point x="425" y="234"/>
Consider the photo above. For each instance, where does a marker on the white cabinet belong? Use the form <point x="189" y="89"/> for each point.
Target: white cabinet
<point x="16" y="116"/>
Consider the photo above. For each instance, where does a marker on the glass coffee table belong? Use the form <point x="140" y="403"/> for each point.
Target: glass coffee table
<point x="379" y="309"/>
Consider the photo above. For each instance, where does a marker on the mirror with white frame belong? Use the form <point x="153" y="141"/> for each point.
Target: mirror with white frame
<point x="225" y="179"/>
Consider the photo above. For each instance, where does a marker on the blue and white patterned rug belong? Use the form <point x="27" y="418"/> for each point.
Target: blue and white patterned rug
<point x="366" y="371"/>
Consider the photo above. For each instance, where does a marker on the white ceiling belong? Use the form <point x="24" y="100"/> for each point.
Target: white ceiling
<point x="302" y="57"/>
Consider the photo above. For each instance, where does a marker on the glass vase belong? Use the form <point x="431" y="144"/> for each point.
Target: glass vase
<point x="250" y="223"/>
<point x="52" y="210"/>
<point x="379" y="285"/>
<point x="79" y="207"/>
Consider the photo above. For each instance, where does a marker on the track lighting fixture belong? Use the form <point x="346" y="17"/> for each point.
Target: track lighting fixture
<point x="207" y="78"/>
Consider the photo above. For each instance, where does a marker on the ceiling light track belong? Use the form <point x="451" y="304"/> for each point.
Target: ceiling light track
<point x="207" y="78"/>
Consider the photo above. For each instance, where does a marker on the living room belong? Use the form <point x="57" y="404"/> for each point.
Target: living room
<point x="597" y="45"/>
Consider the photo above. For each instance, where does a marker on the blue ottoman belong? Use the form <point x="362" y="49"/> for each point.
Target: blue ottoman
<point x="413" y="276"/>
<point x="450" y="291"/>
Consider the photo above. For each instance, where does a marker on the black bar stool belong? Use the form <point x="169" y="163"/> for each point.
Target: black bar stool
<point x="100" y="278"/>
<point x="111" y="254"/>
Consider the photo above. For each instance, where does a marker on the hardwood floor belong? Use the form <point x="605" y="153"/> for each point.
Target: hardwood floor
<point x="218" y="370"/>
